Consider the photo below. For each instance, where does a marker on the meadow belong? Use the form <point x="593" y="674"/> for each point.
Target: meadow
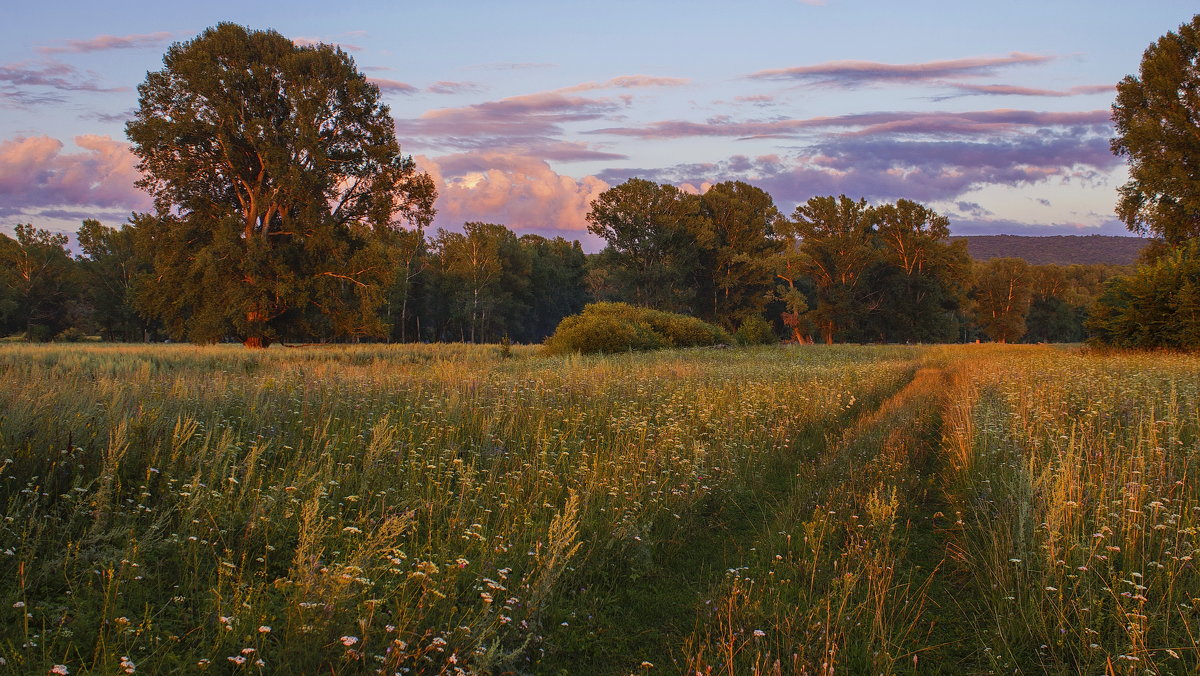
<point x="478" y="509"/>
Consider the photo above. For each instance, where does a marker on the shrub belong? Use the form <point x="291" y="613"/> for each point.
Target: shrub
<point x="1157" y="306"/>
<point x="620" y="327"/>
<point x="756" y="331"/>
<point x="71" y="334"/>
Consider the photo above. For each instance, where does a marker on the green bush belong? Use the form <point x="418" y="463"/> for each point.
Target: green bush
<point x="620" y="327"/>
<point x="1158" y="306"/>
<point x="756" y="331"/>
<point x="71" y="334"/>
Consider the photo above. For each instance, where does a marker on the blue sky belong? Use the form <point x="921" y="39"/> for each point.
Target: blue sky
<point x="994" y="114"/>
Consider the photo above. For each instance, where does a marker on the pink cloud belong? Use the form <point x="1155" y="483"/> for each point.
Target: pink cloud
<point x="521" y="121"/>
<point x="106" y="42"/>
<point x="850" y="74"/>
<point x="521" y="192"/>
<point x="392" y="86"/>
<point x="36" y="173"/>
<point x="967" y="89"/>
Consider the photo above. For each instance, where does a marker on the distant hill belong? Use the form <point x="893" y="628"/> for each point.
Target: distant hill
<point x="1062" y="249"/>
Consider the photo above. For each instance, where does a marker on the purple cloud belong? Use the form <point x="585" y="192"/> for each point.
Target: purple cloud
<point x="102" y="43"/>
<point x="939" y="123"/>
<point x="967" y="89"/>
<point x="444" y="87"/>
<point x="17" y="79"/>
<point x="888" y="168"/>
<point x="527" y="121"/>
<point x="36" y="173"/>
<point x="852" y="74"/>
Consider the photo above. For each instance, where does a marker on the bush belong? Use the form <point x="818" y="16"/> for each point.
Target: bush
<point x="620" y="327"/>
<point x="71" y="334"/>
<point x="756" y="331"/>
<point x="1158" y="306"/>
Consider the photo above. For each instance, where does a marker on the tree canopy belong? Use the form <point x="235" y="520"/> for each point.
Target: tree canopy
<point x="278" y="184"/>
<point x="1157" y="117"/>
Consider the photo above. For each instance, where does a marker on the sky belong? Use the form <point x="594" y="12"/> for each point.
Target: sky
<point x="994" y="114"/>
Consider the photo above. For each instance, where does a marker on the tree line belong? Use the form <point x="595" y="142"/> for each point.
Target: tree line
<point x="837" y="270"/>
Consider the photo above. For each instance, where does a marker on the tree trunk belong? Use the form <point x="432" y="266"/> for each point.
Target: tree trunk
<point x="256" y="340"/>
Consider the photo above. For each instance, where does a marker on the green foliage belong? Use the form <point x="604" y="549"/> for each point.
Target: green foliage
<point x="756" y="331"/>
<point x="735" y="275"/>
<point x="1158" y="130"/>
<point x="619" y="327"/>
<point x="1157" y="306"/>
<point x="278" y="184"/>
<point x="37" y="282"/>
<point x="1002" y="293"/>
<point x="654" y="234"/>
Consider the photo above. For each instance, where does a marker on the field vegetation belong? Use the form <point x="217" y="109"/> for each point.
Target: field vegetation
<point x="474" y="508"/>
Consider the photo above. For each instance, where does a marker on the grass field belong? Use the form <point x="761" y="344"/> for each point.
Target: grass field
<point x="457" y="509"/>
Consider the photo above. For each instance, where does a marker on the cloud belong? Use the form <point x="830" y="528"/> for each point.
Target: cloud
<point x="1003" y="226"/>
<point x="510" y="66"/>
<point x="102" y="43"/>
<point x="313" y="42"/>
<point x="888" y="168"/>
<point x="522" y="123"/>
<point x="444" y="87"/>
<point x="852" y="74"/>
<point x="393" y="86"/>
<point x="36" y="173"/>
<point x="937" y="123"/>
<point x="521" y="192"/>
<point x="967" y="89"/>
<point x="25" y="83"/>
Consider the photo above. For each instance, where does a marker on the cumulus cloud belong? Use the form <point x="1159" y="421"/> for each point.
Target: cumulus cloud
<point x="107" y="42"/>
<point x="36" y="173"/>
<point x="521" y="192"/>
<point x="852" y="74"/>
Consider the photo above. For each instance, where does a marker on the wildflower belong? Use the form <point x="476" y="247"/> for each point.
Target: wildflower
<point x="759" y="633"/>
<point x="247" y="651"/>
<point x="19" y="604"/>
<point x="647" y="665"/>
<point x="60" y="670"/>
<point x="127" y="665"/>
<point x="349" y="640"/>
<point x="237" y="659"/>
<point x="390" y="628"/>
<point x="264" y="629"/>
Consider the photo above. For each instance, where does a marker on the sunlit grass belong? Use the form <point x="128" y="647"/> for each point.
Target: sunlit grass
<point x="358" y="508"/>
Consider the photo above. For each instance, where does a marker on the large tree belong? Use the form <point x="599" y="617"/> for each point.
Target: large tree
<point x="36" y="273"/>
<point x="836" y="237"/>
<point x="1157" y="116"/>
<point x="278" y="184"/>
<point x="1003" y="291"/>
<point x="654" y="234"/>
<point x="736" y="273"/>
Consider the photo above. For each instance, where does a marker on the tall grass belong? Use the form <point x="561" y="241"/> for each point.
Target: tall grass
<point x="412" y="509"/>
<point x="471" y="509"/>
